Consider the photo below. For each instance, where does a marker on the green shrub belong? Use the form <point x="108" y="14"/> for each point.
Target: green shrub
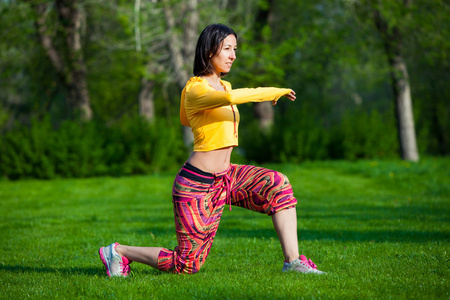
<point x="285" y="142"/>
<point x="131" y="146"/>
<point x="368" y="135"/>
<point x="301" y="137"/>
<point x="135" y="146"/>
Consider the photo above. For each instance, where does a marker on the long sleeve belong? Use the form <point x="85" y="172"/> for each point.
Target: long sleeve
<point x="213" y="115"/>
<point x="201" y="96"/>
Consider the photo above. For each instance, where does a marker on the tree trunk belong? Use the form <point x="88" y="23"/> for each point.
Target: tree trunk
<point x="182" y="50"/>
<point x="400" y="85"/>
<point x="190" y="32"/>
<point x="68" y="62"/>
<point x="146" y="100"/>
<point x="403" y="109"/>
<point x="70" y="18"/>
<point x="264" y="111"/>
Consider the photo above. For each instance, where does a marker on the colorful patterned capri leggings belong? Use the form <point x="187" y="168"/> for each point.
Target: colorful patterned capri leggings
<point x="198" y="202"/>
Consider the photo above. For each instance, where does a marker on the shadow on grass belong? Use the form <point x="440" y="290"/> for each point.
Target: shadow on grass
<point x="242" y="223"/>
<point x="396" y="236"/>
<point x="414" y="213"/>
<point x="234" y="230"/>
<point x="100" y="271"/>
<point x="66" y="271"/>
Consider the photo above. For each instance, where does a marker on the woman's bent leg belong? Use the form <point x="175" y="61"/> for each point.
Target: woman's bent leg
<point x="285" y="223"/>
<point x="270" y="192"/>
<point x="267" y="191"/>
<point x="260" y="189"/>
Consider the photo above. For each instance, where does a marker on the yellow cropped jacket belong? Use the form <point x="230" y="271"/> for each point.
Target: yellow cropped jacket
<point x="213" y="115"/>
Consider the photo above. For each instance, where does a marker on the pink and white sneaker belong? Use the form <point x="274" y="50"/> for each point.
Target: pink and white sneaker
<point x="301" y="264"/>
<point x="115" y="264"/>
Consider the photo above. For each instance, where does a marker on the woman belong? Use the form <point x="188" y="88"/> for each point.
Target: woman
<point x="208" y="181"/>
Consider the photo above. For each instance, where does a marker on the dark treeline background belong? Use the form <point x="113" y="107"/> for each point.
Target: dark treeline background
<point x="92" y="87"/>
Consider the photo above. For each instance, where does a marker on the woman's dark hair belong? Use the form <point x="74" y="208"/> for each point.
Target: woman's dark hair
<point x="208" y="46"/>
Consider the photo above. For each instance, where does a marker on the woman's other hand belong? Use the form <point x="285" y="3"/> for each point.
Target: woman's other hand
<point x="290" y="96"/>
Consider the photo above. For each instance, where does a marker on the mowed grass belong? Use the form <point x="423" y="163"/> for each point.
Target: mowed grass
<point x="380" y="229"/>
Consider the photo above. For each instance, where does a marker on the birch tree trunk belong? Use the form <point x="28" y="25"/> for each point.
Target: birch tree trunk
<point x="146" y="100"/>
<point x="391" y="37"/>
<point x="68" y="59"/>
<point x="182" y="48"/>
<point x="146" y="97"/>
<point x="264" y="111"/>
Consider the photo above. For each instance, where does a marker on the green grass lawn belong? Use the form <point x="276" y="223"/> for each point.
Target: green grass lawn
<point x="380" y="229"/>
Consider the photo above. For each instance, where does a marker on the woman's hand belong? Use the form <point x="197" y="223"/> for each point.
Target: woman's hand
<point x="290" y="96"/>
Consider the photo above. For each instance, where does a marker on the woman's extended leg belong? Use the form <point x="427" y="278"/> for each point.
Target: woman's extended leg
<point x="145" y="255"/>
<point x="198" y="206"/>
<point x="285" y="223"/>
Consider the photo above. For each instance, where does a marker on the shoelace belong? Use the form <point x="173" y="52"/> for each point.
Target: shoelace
<point x="307" y="262"/>
<point x="125" y="268"/>
<point x="226" y="184"/>
<point x="125" y="265"/>
<point x="311" y="264"/>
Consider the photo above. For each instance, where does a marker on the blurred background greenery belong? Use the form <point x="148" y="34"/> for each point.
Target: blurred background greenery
<point x="92" y="87"/>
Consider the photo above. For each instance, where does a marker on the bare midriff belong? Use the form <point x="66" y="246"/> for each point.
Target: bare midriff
<point x="214" y="161"/>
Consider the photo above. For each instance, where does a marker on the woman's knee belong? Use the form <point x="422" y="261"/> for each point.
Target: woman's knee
<point x="188" y="265"/>
<point x="277" y="179"/>
<point x="282" y="194"/>
<point x="175" y="261"/>
<point x="279" y="184"/>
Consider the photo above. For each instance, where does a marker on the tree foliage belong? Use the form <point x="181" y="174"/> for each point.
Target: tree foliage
<point x="329" y="52"/>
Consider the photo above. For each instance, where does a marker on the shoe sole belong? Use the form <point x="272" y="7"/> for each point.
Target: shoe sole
<point x="104" y="261"/>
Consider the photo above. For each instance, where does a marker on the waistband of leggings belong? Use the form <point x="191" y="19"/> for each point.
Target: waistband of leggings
<point x="190" y="172"/>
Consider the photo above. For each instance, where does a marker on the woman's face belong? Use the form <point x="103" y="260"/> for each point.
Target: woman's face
<point x="223" y="61"/>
